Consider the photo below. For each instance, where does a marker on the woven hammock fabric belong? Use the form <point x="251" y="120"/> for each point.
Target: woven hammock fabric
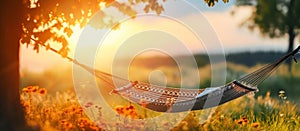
<point x="163" y="99"/>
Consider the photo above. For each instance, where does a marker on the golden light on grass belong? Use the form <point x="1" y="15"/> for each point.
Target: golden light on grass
<point x="54" y="112"/>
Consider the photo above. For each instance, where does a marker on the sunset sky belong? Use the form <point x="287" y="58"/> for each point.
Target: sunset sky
<point x="227" y="27"/>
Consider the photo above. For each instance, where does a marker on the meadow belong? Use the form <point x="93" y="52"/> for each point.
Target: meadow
<point x="274" y="107"/>
<point x="62" y="112"/>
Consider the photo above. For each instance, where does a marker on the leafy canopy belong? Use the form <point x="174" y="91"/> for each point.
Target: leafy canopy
<point x="50" y="21"/>
<point x="211" y="3"/>
<point x="273" y="18"/>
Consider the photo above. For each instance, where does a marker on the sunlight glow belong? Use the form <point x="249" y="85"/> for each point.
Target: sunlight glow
<point x="131" y="27"/>
<point x="113" y="39"/>
<point x="34" y="4"/>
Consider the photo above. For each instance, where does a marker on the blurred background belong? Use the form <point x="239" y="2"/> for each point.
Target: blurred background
<point x="247" y="45"/>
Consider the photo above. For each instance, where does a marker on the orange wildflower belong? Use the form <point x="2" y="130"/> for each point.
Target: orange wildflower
<point x="79" y="110"/>
<point x="94" y="128"/>
<point x="255" y="125"/>
<point x="131" y="106"/>
<point x="240" y="121"/>
<point x="63" y="121"/>
<point x="89" y="104"/>
<point x="120" y="109"/>
<point x="29" y="88"/>
<point x="34" y="89"/>
<point x="68" y="125"/>
<point x="245" y="120"/>
<point x="25" y="90"/>
<point x="42" y="91"/>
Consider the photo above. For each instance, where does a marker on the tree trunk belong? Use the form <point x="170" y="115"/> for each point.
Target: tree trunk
<point x="291" y="31"/>
<point x="11" y="112"/>
<point x="290" y="47"/>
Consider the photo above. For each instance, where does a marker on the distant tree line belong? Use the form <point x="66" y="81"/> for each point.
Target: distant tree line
<point x="243" y="58"/>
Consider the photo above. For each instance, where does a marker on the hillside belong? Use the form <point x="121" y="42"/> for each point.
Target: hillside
<point x="245" y="58"/>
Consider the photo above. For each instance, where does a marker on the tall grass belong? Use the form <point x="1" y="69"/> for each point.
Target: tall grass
<point x="62" y="112"/>
<point x="263" y="111"/>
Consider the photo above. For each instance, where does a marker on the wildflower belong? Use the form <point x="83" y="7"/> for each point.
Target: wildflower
<point x="185" y="126"/>
<point x="166" y="124"/>
<point x="132" y="114"/>
<point x="25" y="90"/>
<point x="128" y="126"/>
<point x="131" y="107"/>
<point x="240" y="121"/>
<point x="281" y="114"/>
<point x="72" y="108"/>
<point x="245" y="120"/>
<point x="83" y="120"/>
<point x="47" y="110"/>
<point x="42" y="91"/>
<point x="29" y="88"/>
<point x="25" y="104"/>
<point x="128" y="111"/>
<point x="89" y="104"/>
<point x="66" y="111"/>
<point x="81" y="126"/>
<point x="221" y="116"/>
<point x="282" y="95"/>
<point x="255" y="125"/>
<point x="63" y="121"/>
<point x="281" y="92"/>
<point x="119" y="109"/>
<point x="94" y="128"/>
<point x="79" y="110"/>
<point x="34" y="89"/>
<point x="68" y="125"/>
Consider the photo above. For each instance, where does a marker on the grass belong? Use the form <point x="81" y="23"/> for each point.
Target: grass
<point x="62" y="112"/>
<point x="265" y="110"/>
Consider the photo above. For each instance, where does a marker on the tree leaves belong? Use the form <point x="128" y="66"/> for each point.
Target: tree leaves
<point x="68" y="31"/>
<point x="153" y="5"/>
<point x="211" y="3"/>
<point x="271" y="17"/>
<point x="36" y="47"/>
<point x="46" y="19"/>
<point x="47" y="46"/>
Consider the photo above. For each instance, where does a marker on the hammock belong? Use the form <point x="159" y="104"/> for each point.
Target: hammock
<point x="168" y="99"/>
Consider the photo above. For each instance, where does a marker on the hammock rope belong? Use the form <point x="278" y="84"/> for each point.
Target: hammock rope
<point x="258" y="76"/>
<point x="168" y="99"/>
